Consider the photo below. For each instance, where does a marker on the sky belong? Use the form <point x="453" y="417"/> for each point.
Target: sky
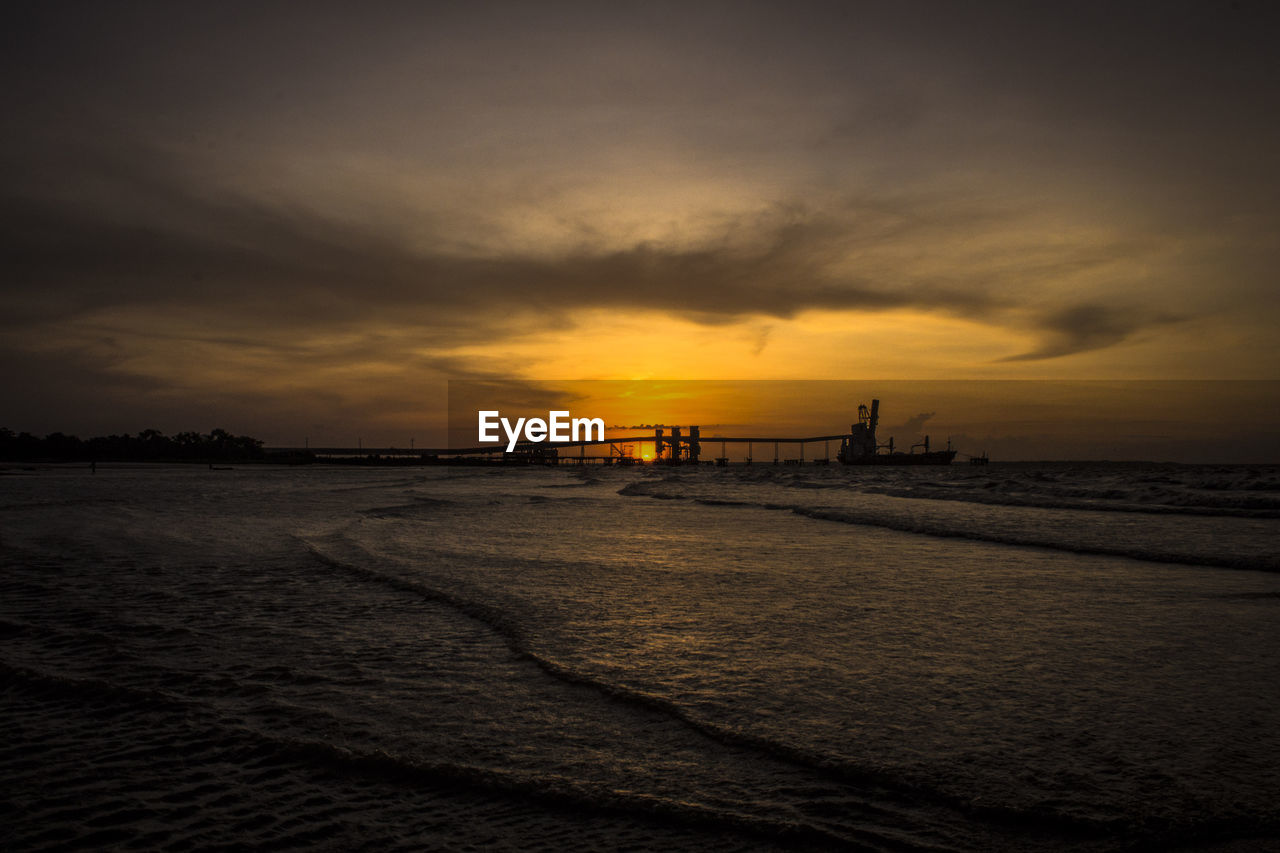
<point x="1205" y="421"/>
<point x="299" y="222"/>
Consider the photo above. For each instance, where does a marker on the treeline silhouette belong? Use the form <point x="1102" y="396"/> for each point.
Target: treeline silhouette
<point x="148" y="445"/>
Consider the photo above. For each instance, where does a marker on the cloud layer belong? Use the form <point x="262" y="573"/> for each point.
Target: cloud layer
<point x="204" y="201"/>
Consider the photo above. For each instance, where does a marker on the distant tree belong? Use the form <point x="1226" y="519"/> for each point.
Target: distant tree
<point x="148" y="444"/>
<point x="60" y="446"/>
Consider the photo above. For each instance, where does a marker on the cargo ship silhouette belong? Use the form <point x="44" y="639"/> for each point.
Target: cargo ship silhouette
<point x="861" y="448"/>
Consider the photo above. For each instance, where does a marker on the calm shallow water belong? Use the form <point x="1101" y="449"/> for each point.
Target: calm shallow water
<point x="1015" y="657"/>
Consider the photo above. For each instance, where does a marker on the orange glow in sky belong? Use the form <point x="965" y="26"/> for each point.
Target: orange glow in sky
<point x="448" y="194"/>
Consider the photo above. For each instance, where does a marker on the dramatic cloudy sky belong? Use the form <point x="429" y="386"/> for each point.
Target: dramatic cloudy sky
<point x="300" y="219"/>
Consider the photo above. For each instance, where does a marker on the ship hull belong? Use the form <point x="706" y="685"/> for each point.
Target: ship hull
<point x="936" y="457"/>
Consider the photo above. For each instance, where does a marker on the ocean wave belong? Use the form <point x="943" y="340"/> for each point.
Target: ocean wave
<point x="884" y="788"/>
<point x="1098" y="500"/>
<point x="420" y="506"/>
<point x="1147" y="553"/>
<point x="917" y="522"/>
<point x="1230" y="491"/>
<point x="80" y="689"/>
<point x="65" y="503"/>
<point x="249" y="746"/>
<point x="377" y="485"/>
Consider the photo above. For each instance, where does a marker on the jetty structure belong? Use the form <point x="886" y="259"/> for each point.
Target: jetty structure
<point x="671" y="446"/>
<point x="861" y="448"/>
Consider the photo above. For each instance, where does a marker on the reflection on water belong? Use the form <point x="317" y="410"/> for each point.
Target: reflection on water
<point x="736" y="659"/>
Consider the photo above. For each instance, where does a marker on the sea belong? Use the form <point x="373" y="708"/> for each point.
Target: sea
<point x="1017" y="656"/>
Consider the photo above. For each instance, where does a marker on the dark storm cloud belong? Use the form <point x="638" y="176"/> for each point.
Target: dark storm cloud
<point x="1156" y="87"/>
<point x="183" y="159"/>
<point x="1088" y="327"/>
<point x="247" y="264"/>
<point x="70" y="387"/>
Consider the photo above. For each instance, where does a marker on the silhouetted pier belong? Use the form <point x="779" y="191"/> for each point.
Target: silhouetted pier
<point x="668" y="448"/>
<point x="671" y="445"/>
